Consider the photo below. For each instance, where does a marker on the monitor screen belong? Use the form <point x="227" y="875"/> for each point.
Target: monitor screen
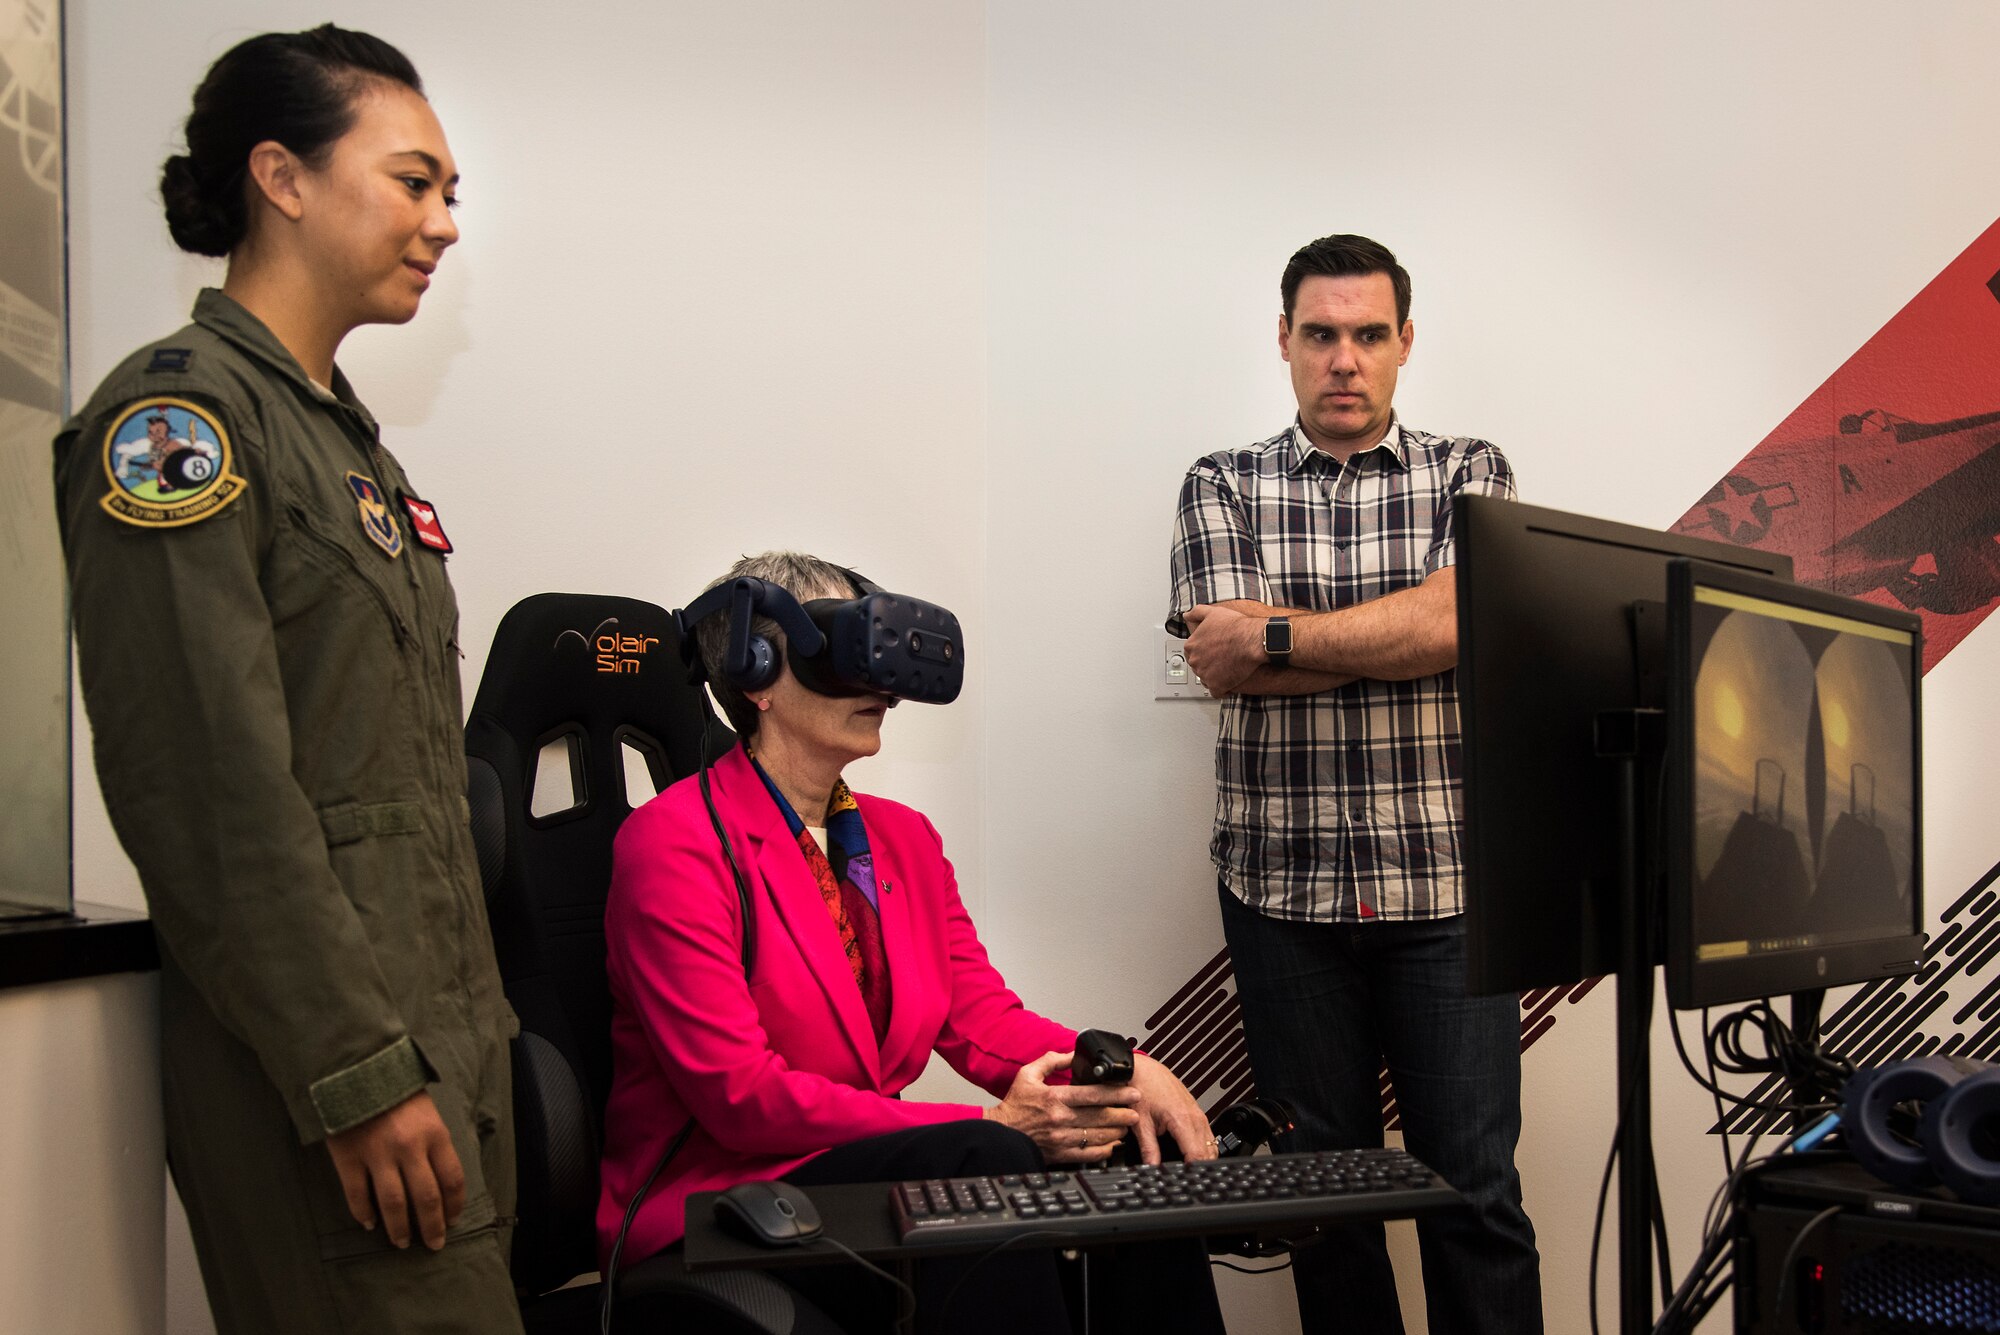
<point x="1794" y="855"/>
<point x="1561" y="617"/>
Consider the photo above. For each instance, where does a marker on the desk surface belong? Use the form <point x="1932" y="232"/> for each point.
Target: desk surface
<point x="93" y="941"/>
<point x="858" y="1215"/>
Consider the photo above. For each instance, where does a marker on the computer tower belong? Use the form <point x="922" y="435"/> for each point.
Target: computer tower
<point x="1884" y="1262"/>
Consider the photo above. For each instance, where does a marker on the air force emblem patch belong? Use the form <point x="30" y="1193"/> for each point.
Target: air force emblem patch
<point x="168" y="461"/>
<point x="377" y="521"/>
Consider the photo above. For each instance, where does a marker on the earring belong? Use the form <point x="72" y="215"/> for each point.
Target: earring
<point x="764" y="703"/>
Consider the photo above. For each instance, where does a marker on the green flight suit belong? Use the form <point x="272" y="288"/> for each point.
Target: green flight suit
<point x="269" y="658"/>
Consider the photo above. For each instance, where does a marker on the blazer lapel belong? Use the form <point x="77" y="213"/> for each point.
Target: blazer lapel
<point x="906" y="973"/>
<point x="780" y="871"/>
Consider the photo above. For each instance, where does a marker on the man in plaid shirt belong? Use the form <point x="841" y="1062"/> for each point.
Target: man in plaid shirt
<point x="1313" y="574"/>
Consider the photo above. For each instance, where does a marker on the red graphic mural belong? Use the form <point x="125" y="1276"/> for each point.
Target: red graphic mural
<point x="1884" y="484"/>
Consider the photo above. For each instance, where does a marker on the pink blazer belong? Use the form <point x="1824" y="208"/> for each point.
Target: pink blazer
<point x="784" y="1065"/>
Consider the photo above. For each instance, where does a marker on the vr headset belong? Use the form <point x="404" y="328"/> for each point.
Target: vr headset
<point x="885" y="643"/>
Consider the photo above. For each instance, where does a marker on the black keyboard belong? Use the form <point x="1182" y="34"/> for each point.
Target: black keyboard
<point x="1219" y="1196"/>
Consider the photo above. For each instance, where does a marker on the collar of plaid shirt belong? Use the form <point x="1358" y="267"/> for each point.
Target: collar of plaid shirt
<point x="1304" y="451"/>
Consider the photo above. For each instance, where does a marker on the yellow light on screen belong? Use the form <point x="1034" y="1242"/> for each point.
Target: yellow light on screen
<point x="1729" y="711"/>
<point x="1836" y="723"/>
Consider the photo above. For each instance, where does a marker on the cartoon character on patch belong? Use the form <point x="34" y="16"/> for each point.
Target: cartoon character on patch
<point x="168" y="461"/>
<point x="177" y="463"/>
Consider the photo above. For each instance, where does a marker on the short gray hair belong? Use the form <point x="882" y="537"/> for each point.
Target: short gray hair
<point x="805" y="578"/>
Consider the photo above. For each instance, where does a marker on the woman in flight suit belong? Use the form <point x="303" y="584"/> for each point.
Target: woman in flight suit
<point x="267" y="648"/>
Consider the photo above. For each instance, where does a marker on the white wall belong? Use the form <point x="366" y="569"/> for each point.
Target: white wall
<point x="1638" y="235"/>
<point x="955" y="292"/>
<point x="718" y="291"/>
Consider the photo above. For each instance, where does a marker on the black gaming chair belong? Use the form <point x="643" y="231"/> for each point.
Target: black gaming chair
<point x="581" y="695"/>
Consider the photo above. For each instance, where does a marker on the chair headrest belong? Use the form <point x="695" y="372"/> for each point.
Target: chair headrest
<point x="593" y="660"/>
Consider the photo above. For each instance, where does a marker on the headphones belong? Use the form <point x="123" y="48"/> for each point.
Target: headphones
<point x="876" y="642"/>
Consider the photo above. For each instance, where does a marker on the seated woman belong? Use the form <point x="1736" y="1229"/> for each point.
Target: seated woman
<point x="865" y="963"/>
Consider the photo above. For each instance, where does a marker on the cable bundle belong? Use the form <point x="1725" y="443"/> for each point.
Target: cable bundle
<point x="1814" y="1076"/>
<point x="1804" y="1064"/>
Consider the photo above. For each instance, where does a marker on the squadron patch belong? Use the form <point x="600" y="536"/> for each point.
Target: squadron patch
<point x="169" y="464"/>
<point x="376" y="519"/>
<point x="424" y="523"/>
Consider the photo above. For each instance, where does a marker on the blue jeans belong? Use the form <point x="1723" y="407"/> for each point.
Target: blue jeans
<point x="1325" y="1006"/>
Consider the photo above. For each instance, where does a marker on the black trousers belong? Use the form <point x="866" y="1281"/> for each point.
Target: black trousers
<point x="1325" y="1006"/>
<point x="1138" y="1287"/>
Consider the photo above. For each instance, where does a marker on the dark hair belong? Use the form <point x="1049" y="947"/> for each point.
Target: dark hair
<point x="297" y="88"/>
<point x="1345" y="256"/>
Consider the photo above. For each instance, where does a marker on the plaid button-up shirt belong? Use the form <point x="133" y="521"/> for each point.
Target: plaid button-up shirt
<point x="1344" y="805"/>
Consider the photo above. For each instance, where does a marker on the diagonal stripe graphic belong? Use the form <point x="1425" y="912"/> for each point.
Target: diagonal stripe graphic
<point x="1883" y="484"/>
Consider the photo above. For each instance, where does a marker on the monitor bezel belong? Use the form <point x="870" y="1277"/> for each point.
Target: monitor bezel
<point x="1535" y="916"/>
<point x="1693" y="983"/>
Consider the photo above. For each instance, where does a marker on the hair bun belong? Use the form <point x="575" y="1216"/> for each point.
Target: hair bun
<point x="199" y="223"/>
<point x="295" y="88"/>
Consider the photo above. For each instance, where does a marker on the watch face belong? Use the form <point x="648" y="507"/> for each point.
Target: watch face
<point x="1277" y="636"/>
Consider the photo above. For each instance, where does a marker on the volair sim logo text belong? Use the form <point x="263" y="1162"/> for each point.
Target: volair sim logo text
<point x="615" y="652"/>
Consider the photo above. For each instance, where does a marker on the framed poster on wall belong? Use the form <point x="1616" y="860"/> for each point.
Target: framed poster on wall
<point x="34" y="654"/>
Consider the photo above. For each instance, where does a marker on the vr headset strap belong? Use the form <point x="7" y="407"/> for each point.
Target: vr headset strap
<point x="745" y="597"/>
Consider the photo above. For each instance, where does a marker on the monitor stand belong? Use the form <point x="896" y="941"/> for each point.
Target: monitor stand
<point x="1805" y="1032"/>
<point x="1635" y="741"/>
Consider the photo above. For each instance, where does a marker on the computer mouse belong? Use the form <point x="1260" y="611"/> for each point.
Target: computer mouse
<point x="771" y="1214"/>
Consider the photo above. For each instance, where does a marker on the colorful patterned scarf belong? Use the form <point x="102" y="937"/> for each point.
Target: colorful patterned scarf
<point x="845" y="872"/>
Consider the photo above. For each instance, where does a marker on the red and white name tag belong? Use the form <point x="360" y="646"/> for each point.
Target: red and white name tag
<point x="424" y="524"/>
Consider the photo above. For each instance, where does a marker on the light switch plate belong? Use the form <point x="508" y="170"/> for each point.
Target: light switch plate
<point x="1173" y="679"/>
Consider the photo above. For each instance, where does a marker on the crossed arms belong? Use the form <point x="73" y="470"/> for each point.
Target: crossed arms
<point x="1410" y="633"/>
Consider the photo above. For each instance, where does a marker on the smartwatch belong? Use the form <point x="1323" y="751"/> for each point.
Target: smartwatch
<point x="1278" y="641"/>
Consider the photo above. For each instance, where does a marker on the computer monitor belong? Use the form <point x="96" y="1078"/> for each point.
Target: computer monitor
<point x="1794" y="838"/>
<point x="1547" y="639"/>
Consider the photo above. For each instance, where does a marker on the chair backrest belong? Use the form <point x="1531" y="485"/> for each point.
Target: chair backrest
<point x="583" y="712"/>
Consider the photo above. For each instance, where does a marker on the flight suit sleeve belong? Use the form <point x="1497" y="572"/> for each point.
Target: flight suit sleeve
<point x="178" y="665"/>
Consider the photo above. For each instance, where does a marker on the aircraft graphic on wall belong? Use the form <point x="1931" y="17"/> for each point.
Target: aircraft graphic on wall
<point x="1885" y="485"/>
<point x="1913" y="507"/>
